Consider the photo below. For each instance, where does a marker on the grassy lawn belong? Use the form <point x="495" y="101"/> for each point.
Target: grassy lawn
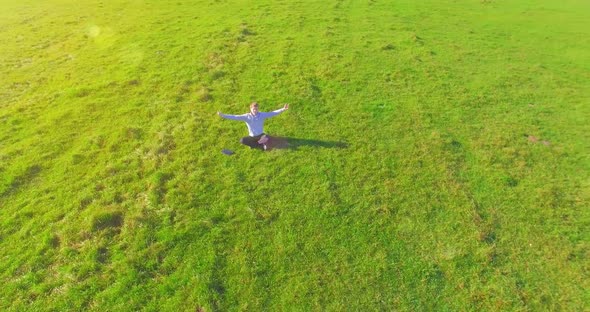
<point x="439" y="157"/>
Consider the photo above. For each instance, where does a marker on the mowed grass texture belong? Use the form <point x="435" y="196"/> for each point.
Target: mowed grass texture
<point x="439" y="156"/>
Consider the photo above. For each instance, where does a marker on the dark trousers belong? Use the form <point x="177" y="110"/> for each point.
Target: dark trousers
<point x="252" y="141"/>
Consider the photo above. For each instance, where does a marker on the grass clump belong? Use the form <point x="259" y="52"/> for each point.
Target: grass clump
<point x="107" y="220"/>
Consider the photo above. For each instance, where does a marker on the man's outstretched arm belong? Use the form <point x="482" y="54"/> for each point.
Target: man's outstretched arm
<point x="233" y="117"/>
<point x="276" y="112"/>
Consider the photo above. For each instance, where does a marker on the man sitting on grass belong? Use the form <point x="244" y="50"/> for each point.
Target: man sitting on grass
<point x="255" y="122"/>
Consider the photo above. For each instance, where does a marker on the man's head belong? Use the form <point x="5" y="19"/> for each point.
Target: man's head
<point x="254" y="108"/>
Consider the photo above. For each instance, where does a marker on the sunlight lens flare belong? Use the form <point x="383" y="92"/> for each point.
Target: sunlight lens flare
<point x="132" y="56"/>
<point x="93" y="31"/>
<point x="103" y="36"/>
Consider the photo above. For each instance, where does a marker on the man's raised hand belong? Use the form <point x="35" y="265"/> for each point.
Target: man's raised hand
<point x="286" y="106"/>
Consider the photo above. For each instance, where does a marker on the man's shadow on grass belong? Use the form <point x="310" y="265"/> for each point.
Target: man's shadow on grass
<point x="277" y="142"/>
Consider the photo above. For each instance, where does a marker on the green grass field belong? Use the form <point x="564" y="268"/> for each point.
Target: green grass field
<point x="440" y="156"/>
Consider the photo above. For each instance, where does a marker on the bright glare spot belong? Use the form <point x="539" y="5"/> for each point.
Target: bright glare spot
<point x="133" y="58"/>
<point x="94" y="31"/>
<point x="104" y="37"/>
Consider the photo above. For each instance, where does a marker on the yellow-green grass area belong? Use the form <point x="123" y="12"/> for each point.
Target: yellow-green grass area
<point x="439" y="156"/>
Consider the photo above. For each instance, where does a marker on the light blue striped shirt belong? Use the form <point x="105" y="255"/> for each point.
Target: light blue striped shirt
<point x="255" y="123"/>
